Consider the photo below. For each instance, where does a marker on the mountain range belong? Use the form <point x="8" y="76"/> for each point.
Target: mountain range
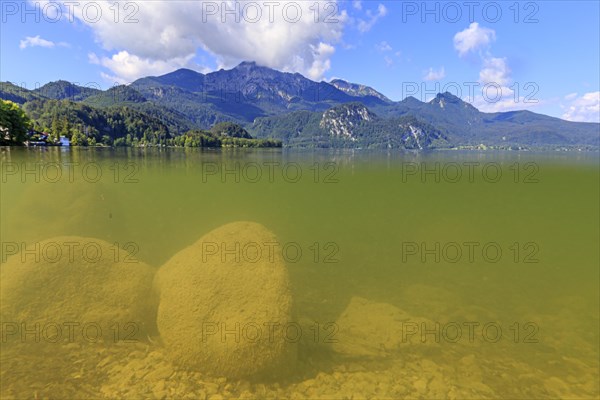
<point x="301" y="112"/>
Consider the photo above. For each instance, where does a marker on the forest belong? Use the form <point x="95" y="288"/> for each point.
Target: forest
<point x="45" y="121"/>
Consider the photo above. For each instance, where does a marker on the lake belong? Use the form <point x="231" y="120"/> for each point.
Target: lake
<point x="413" y="275"/>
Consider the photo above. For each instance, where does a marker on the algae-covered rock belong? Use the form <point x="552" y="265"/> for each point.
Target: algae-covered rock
<point x="225" y="304"/>
<point x="370" y="329"/>
<point x="72" y="289"/>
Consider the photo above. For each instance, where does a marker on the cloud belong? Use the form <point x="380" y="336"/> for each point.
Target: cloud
<point x="388" y="61"/>
<point x="281" y="35"/>
<point x="585" y="108"/>
<point x="435" y="75"/>
<point x="128" y="67"/>
<point x="321" y="63"/>
<point x="494" y="71"/>
<point x="37" y="41"/>
<point x="494" y="93"/>
<point x="357" y="4"/>
<point x="571" y="96"/>
<point x="366" y="25"/>
<point x="501" y="99"/>
<point x="473" y="38"/>
<point x="383" y="47"/>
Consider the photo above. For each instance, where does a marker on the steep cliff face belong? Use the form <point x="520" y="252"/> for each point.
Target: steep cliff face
<point x="416" y="134"/>
<point x="343" y="121"/>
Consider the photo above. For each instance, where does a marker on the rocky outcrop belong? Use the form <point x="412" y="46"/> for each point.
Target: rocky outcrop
<point x="342" y="121"/>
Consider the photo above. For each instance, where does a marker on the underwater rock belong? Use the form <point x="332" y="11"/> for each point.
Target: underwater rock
<point x="370" y="329"/>
<point x="74" y="289"/>
<point x="225" y="304"/>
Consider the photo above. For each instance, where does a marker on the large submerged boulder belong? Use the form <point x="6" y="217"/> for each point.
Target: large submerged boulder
<point x="370" y="329"/>
<point x="74" y="288"/>
<point x="225" y="304"/>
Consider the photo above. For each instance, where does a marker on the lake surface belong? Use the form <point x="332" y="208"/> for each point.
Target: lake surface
<point x="496" y="253"/>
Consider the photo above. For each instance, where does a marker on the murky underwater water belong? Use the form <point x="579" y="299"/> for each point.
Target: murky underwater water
<point x="443" y="275"/>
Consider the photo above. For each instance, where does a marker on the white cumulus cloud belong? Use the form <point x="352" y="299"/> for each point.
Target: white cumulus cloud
<point x="282" y="35"/>
<point x="502" y="98"/>
<point x="37" y="41"/>
<point x="495" y="71"/>
<point x="473" y="38"/>
<point x="321" y="63"/>
<point x="365" y="25"/>
<point x="585" y="108"/>
<point x="495" y="92"/>
<point x="435" y="75"/>
<point x="128" y="67"/>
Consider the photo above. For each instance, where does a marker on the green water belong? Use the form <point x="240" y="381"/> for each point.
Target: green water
<point x="385" y="227"/>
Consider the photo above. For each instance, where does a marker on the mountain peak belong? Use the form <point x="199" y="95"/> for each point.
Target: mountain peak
<point x="183" y="78"/>
<point x="445" y="99"/>
<point x="182" y="72"/>
<point x="357" y="90"/>
<point x="411" y="100"/>
<point x="62" y="89"/>
<point x="247" y="64"/>
<point x="448" y="97"/>
<point x="249" y="68"/>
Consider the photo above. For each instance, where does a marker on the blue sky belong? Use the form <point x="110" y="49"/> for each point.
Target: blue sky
<point x="543" y="56"/>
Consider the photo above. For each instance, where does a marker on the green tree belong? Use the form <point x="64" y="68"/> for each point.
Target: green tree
<point x="106" y="140"/>
<point x="78" y="138"/>
<point x="66" y="128"/>
<point x="14" y="124"/>
<point x="56" y="127"/>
